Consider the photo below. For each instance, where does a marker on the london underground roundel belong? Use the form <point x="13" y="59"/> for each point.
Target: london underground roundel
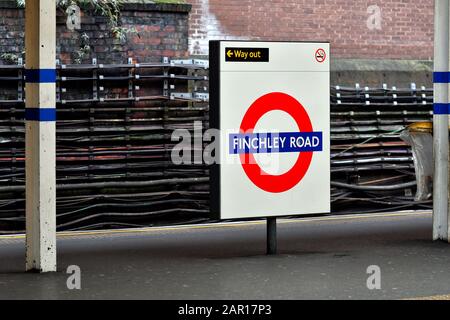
<point x="304" y="142"/>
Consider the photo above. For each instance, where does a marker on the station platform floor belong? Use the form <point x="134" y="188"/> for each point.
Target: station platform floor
<point x="319" y="258"/>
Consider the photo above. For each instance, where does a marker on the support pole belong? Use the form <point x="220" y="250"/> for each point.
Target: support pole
<point x="441" y="79"/>
<point x="271" y="236"/>
<point x="40" y="116"/>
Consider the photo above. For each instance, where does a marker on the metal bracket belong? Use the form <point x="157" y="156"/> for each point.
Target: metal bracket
<point x="58" y="83"/>
<point x="20" y="91"/>
<point x="166" y="81"/>
<point x="190" y="96"/>
<point x="94" y="82"/>
<point x="130" y="81"/>
<point x="202" y="64"/>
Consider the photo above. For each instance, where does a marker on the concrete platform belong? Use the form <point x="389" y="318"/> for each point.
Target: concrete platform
<point x="320" y="258"/>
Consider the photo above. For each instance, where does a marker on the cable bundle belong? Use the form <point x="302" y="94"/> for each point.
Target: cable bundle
<point x="372" y="168"/>
<point x="114" y="145"/>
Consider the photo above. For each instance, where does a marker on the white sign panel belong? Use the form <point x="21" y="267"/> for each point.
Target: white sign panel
<point x="271" y="102"/>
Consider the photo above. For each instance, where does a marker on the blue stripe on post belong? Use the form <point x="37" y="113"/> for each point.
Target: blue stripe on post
<point x="441" y="77"/>
<point x="40" y="114"/>
<point x="40" y="75"/>
<point x="441" y="108"/>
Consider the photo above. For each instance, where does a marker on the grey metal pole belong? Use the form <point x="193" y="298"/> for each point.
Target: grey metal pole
<point x="441" y="79"/>
<point x="271" y="236"/>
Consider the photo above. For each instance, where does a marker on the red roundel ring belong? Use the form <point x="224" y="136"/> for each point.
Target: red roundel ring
<point x="270" y="102"/>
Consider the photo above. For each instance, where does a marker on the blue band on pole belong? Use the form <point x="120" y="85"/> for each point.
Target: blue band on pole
<point x="40" y="75"/>
<point x="40" y="114"/>
<point x="441" y="77"/>
<point x="441" y="108"/>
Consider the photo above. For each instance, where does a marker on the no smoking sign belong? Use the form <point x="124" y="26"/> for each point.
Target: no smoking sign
<point x="276" y="110"/>
<point x="321" y="55"/>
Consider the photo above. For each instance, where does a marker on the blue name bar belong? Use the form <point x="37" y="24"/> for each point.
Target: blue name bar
<point x="40" y="75"/>
<point x="283" y="142"/>
<point x="441" y="77"/>
<point x="441" y="108"/>
<point x="40" y="114"/>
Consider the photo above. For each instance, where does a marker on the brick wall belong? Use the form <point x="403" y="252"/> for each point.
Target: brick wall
<point x="162" y="31"/>
<point x="406" y="28"/>
<point x="406" y="25"/>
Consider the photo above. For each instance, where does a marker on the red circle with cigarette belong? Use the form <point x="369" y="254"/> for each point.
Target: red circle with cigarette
<point x="321" y="55"/>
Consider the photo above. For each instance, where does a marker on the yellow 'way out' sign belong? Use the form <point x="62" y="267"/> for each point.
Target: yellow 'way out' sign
<point x="247" y="54"/>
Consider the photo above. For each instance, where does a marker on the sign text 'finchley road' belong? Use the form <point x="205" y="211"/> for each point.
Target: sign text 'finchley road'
<point x="275" y="142"/>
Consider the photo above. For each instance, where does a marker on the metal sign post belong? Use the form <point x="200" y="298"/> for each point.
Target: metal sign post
<point x="271" y="236"/>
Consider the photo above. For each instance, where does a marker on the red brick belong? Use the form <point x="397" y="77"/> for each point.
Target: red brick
<point x="407" y="25"/>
